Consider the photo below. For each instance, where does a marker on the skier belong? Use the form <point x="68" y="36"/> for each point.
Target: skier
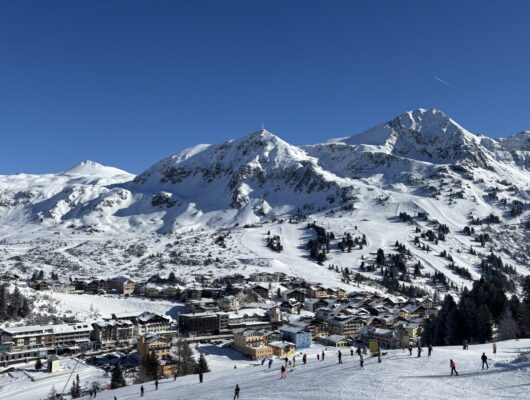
<point x="283" y="373"/>
<point x="484" y="359"/>
<point x="200" y="377"/>
<point x="340" y="357"/>
<point x="452" y="364"/>
<point x="142" y="391"/>
<point x="236" y="392"/>
<point x="361" y="361"/>
<point x="410" y="349"/>
<point x="429" y="350"/>
<point x="156" y="384"/>
<point x="304" y="358"/>
<point x="494" y="348"/>
<point x="270" y="363"/>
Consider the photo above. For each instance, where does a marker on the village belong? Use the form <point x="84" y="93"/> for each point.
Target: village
<point x="261" y="316"/>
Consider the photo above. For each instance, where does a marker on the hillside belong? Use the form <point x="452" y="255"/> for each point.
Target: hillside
<point x="449" y="196"/>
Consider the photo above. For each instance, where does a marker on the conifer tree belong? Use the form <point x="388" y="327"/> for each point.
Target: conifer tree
<point x="117" y="380"/>
<point x="202" y="365"/>
<point x="186" y="363"/>
<point x="75" y="391"/>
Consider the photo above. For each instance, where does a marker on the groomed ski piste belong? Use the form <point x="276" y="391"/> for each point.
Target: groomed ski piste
<point x="398" y="376"/>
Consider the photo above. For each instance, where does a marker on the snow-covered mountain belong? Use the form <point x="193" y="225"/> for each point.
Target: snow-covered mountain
<point x="421" y="162"/>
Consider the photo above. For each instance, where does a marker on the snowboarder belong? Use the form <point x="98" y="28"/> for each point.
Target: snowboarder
<point x="236" y="392"/>
<point x="429" y="350"/>
<point x="494" y="348"/>
<point x="156" y="384"/>
<point x="200" y="377"/>
<point x="340" y="357"/>
<point x="484" y="359"/>
<point x="142" y="391"/>
<point x="270" y="363"/>
<point x="452" y="364"/>
<point x="410" y="349"/>
<point x="361" y="361"/>
<point x="323" y="354"/>
<point x="283" y="373"/>
<point x="304" y="358"/>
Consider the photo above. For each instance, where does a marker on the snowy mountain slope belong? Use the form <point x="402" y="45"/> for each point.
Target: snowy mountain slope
<point x="421" y="163"/>
<point x="257" y="175"/>
<point x="397" y="376"/>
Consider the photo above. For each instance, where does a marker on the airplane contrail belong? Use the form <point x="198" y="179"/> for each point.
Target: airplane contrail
<point x="444" y="82"/>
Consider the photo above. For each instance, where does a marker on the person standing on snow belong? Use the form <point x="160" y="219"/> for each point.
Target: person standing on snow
<point x="270" y="363"/>
<point x="323" y="354"/>
<point x="410" y="349"/>
<point x="361" y="361"/>
<point x="484" y="359"/>
<point x="429" y="350"/>
<point x="283" y="373"/>
<point x="340" y="357"/>
<point x="351" y="352"/>
<point x="419" y="350"/>
<point x="236" y="392"/>
<point x="452" y="365"/>
<point x="294" y="361"/>
<point x="494" y="348"/>
<point x="304" y="358"/>
<point x="142" y="391"/>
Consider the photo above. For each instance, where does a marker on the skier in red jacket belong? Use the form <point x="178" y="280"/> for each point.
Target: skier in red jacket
<point x="452" y="364"/>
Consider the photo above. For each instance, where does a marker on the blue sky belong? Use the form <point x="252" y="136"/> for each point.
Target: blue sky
<point x="126" y="83"/>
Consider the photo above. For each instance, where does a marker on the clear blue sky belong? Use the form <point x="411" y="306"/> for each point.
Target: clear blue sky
<point x="126" y="83"/>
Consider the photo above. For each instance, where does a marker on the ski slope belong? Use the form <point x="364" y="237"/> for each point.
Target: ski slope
<point x="399" y="376"/>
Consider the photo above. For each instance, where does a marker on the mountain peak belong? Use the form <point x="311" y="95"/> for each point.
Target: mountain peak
<point x="93" y="168"/>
